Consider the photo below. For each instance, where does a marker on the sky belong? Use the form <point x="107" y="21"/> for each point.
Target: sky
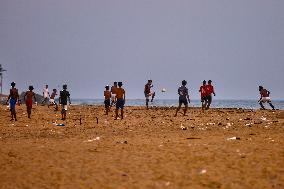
<point x="88" y="44"/>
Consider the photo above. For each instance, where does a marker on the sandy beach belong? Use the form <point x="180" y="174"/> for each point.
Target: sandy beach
<point x="220" y="148"/>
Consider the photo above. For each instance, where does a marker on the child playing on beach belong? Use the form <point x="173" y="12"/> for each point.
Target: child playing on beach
<point x="107" y="95"/>
<point x="64" y="95"/>
<point x="12" y="99"/>
<point x="183" y="97"/>
<point x="29" y="100"/>
<point x="52" y="99"/>
<point x="113" y="93"/>
<point x="45" y="94"/>
<point x="148" y="93"/>
<point x="264" y="97"/>
<point x="209" y="91"/>
<point x="203" y="93"/>
<point x="120" y="100"/>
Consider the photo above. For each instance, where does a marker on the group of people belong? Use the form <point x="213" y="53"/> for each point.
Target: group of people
<point x="116" y="96"/>
<point x="13" y="98"/>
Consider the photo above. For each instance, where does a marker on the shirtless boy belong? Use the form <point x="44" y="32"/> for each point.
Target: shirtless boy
<point x="12" y="99"/>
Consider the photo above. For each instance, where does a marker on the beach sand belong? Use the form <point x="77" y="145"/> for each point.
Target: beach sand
<point x="221" y="148"/>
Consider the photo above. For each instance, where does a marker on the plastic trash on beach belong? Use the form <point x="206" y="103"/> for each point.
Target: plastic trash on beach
<point x="60" y="124"/>
<point x="263" y="118"/>
<point x="183" y="127"/>
<point x="234" y="138"/>
<point x="94" y="139"/>
<point x="203" y="171"/>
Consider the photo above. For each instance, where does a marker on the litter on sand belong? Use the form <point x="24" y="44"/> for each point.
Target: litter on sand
<point x="234" y="138"/>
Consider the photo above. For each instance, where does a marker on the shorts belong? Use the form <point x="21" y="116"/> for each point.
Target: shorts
<point x="183" y="101"/>
<point x="29" y="103"/>
<point x="107" y="103"/>
<point x="148" y="95"/>
<point x="13" y="103"/>
<point x="265" y="99"/>
<point x="120" y="103"/>
<point x="208" y="99"/>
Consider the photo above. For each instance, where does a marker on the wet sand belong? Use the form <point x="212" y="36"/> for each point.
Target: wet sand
<point x="221" y="148"/>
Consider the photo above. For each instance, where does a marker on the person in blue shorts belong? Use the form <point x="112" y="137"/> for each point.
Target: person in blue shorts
<point x="12" y="99"/>
<point x="120" y="100"/>
<point x="183" y="97"/>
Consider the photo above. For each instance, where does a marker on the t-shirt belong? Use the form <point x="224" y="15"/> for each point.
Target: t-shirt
<point x="183" y="92"/>
<point x="64" y="95"/>
<point x="209" y="89"/>
<point x="119" y="93"/>
<point x="45" y="92"/>
<point x="107" y="95"/>
<point x="264" y="93"/>
<point x="203" y="91"/>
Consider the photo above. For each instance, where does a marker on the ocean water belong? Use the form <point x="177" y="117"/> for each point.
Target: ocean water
<point x="245" y="104"/>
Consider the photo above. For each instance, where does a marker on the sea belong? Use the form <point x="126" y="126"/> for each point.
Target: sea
<point x="244" y="104"/>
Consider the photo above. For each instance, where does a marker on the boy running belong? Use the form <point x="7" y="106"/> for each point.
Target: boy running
<point x="203" y="94"/>
<point x="209" y="91"/>
<point x="264" y="97"/>
<point x="183" y="97"/>
<point x="52" y="99"/>
<point x="12" y="99"/>
<point x="113" y="93"/>
<point x="120" y="100"/>
<point x="107" y="95"/>
<point x="64" y="95"/>
<point x="148" y="93"/>
<point x="29" y="100"/>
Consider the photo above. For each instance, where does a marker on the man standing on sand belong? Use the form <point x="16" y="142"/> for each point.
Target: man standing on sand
<point x="120" y="100"/>
<point x="264" y="97"/>
<point x="148" y="93"/>
<point x="64" y="96"/>
<point x="203" y="93"/>
<point x="29" y="101"/>
<point x="12" y="99"/>
<point x="113" y="93"/>
<point x="183" y="97"/>
<point x="45" y="94"/>
<point x="209" y="92"/>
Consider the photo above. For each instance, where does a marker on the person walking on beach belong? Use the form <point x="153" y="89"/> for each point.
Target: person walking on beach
<point x="148" y="93"/>
<point x="52" y="99"/>
<point x="264" y="97"/>
<point x="203" y="93"/>
<point x="209" y="92"/>
<point x="120" y="100"/>
<point x="29" y="100"/>
<point x="113" y="93"/>
<point x="64" y="96"/>
<point x="183" y="97"/>
<point x="45" y="94"/>
<point x="12" y="99"/>
<point x="107" y="95"/>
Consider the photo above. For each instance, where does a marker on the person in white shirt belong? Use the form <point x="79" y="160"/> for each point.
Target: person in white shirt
<point x="45" y="95"/>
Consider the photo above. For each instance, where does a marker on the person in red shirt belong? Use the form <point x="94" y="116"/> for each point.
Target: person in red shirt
<point x="264" y="97"/>
<point x="209" y="91"/>
<point x="29" y="100"/>
<point x="203" y="93"/>
<point x="107" y="95"/>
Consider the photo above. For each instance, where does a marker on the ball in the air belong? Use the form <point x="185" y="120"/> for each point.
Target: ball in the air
<point x="163" y="90"/>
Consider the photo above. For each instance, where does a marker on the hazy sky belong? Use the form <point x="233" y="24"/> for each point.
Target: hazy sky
<point x="239" y="44"/>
